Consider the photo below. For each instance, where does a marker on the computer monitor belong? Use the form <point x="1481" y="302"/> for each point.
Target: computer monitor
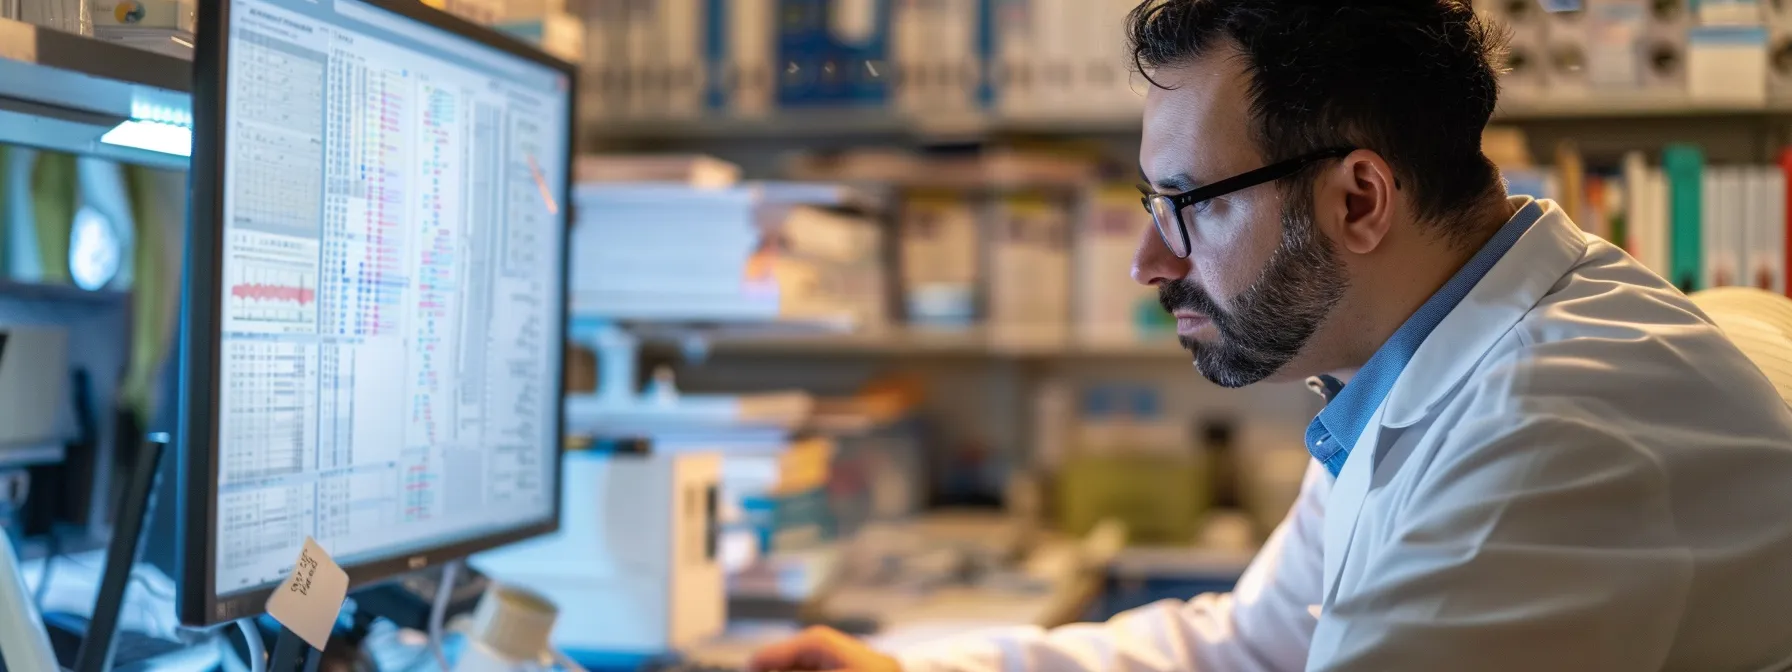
<point x="375" y="296"/>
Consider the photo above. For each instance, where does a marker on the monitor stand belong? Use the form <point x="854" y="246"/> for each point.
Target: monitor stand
<point x="128" y="522"/>
<point x="99" y="635"/>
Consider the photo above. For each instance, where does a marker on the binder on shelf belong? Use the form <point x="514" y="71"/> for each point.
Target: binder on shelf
<point x="641" y="56"/>
<point x="1777" y="239"/>
<point x="1765" y="245"/>
<point x="1029" y="273"/>
<point x="1785" y="172"/>
<point x="600" y="91"/>
<point x="1711" y="202"/>
<point x="940" y="262"/>
<point x="832" y="52"/>
<point x="1660" y="219"/>
<point x="741" y="48"/>
<point x="1601" y="209"/>
<point x="1015" y="66"/>
<point x="1571" y="182"/>
<point x="683" y="26"/>
<point x="1117" y="59"/>
<point x="1084" y="26"/>
<point x="802" y="50"/>
<point x="1739" y="229"/>
<point x="1644" y="202"/>
<point x="859" y="30"/>
<point x="1721" y="223"/>
<point x="930" y="39"/>
<point x="1107" y="302"/>
<point x="909" y="43"/>
<point x="963" y="72"/>
<point x="1684" y="166"/>
<point x="1055" y="41"/>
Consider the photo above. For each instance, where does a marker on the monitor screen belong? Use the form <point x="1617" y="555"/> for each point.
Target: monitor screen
<point x="389" y="242"/>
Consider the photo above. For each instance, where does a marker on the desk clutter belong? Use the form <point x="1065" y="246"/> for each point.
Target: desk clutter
<point x="1017" y="251"/>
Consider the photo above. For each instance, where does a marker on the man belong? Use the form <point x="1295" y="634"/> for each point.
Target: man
<point x="1545" y="457"/>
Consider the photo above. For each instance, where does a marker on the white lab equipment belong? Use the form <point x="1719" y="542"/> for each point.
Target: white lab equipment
<point x="634" y="567"/>
<point x="510" y="632"/>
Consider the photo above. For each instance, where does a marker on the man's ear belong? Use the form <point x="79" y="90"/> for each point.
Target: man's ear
<point x="1355" y="201"/>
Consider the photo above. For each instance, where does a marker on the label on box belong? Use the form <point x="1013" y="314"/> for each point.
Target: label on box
<point x="310" y="600"/>
<point x="1730" y="12"/>
<point x="1727" y="64"/>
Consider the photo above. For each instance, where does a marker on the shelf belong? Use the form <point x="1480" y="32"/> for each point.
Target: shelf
<point x="811" y="124"/>
<point x="61" y="91"/>
<point x="15" y="456"/>
<point x="13" y="290"/>
<point x="856" y="124"/>
<point x="1596" y="105"/>
<point x="921" y="343"/>
<point x="859" y="124"/>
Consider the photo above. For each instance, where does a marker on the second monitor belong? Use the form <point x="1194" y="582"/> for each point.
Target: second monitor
<point x="375" y="294"/>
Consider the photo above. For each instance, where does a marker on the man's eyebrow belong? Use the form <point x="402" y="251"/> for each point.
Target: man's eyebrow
<point x="1177" y="183"/>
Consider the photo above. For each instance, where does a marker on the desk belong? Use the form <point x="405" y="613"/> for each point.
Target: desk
<point x="909" y="620"/>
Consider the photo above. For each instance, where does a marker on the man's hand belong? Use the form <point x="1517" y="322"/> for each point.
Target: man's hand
<point x="821" y="649"/>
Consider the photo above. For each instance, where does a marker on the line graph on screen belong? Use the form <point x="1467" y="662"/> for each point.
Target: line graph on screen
<point x="272" y="293"/>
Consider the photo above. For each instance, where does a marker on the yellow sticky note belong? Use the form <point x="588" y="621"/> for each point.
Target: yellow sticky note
<point x="309" y="601"/>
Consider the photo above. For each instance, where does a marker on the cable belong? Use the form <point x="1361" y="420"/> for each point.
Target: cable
<point x="438" y="611"/>
<point x="258" y="655"/>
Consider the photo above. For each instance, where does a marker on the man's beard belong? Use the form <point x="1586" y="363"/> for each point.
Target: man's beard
<point x="1270" y="321"/>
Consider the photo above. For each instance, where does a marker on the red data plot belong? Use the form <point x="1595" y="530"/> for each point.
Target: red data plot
<point x="274" y="293"/>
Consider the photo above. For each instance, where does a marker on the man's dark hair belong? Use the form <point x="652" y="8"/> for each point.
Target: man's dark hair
<point x="1413" y="80"/>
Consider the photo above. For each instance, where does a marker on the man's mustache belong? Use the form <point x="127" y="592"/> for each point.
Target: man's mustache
<point x="1184" y="295"/>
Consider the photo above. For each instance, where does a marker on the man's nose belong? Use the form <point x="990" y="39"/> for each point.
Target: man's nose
<point x="1153" y="263"/>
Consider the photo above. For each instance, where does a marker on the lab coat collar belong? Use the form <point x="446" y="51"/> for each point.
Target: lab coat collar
<point x="1510" y="289"/>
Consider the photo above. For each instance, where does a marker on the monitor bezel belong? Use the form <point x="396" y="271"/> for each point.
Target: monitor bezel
<point x="197" y="600"/>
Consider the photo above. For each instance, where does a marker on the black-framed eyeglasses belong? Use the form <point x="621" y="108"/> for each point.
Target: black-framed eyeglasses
<point x="1166" y="209"/>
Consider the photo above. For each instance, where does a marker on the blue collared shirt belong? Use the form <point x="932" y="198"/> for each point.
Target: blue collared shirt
<point x="1335" y="430"/>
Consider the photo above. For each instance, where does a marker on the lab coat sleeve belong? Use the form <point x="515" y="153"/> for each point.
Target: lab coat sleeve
<point x="1533" y="543"/>
<point x="1264" y="625"/>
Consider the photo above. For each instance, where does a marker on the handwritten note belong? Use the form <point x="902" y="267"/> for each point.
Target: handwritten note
<point x="309" y="601"/>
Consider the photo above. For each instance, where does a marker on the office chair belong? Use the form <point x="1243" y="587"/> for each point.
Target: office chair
<point x="1760" y="324"/>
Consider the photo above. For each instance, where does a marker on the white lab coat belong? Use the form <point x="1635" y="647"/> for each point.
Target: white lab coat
<point x="1575" y="472"/>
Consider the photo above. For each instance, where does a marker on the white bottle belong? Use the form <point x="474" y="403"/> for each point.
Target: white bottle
<point x="510" y="632"/>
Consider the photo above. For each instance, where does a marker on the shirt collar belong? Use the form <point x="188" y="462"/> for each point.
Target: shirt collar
<point x="1335" y="431"/>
